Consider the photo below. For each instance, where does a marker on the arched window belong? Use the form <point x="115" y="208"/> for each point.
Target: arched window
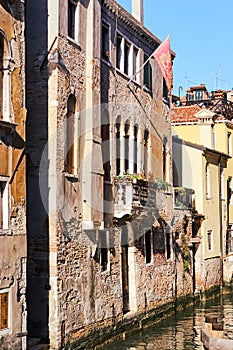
<point x="127" y="133"/>
<point x="118" y="149"/>
<point x="69" y="140"/>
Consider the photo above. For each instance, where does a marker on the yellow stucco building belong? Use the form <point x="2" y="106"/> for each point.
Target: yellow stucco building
<point x="202" y="161"/>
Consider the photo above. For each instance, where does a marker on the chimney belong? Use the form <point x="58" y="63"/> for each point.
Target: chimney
<point x="138" y="11"/>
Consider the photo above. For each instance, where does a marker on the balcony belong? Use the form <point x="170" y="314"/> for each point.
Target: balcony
<point x="132" y="196"/>
<point x="183" y="198"/>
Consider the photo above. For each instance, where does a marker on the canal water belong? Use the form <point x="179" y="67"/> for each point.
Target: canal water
<point x="180" y="331"/>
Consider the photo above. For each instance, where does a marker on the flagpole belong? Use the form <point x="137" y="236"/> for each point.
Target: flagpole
<point x="145" y="62"/>
<point x="141" y="68"/>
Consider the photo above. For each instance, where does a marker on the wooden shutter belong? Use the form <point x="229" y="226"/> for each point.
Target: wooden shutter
<point x="4" y="310"/>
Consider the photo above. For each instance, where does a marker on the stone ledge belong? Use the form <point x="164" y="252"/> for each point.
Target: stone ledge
<point x="214" y="340"/>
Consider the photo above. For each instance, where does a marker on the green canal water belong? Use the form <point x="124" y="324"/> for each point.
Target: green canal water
<point x="180" y="331"/>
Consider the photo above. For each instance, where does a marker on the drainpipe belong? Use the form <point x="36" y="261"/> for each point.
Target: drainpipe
<point x="220" y="221"/>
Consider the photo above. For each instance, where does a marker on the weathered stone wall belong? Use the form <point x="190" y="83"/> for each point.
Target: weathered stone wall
<point x="13" y="280"/>
<point x="208" y="273"/>
<point x="88" y="297"/>
<point x="165" y="278"/>
<point x="228" y="270"/>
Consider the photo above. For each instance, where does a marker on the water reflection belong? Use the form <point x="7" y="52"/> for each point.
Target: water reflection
<point x="181" y="331"/>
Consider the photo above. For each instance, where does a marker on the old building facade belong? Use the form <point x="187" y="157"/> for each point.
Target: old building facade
<point x="204" y="124"/>
<point x="100" y="218"/>
<point x="13" y="313"/>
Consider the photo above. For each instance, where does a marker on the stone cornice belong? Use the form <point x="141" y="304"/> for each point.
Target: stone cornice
<point x="130" y="21"/>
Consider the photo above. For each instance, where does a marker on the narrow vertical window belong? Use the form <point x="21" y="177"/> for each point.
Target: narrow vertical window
<point x="3" y="205"/>
<point x="127" y="133"/>
<point x="105" y="42"/>
<point x="71" y="19"/>
<point x="146" y="136"/>
<point x="103" y="250"/>
<point x="69" y="142"/>
<point x="164" y="162"/>
<point x="168" y="245"/>
<point x="135" y="153"/>
<point x="4" y="323"/>
<point x="126" y="58"/>
<point x="165" y="90"/>
<point x="229" y="143"/>
<point x="147" y="73"/>
<point x="209" y="239"/>
<point x="118" y="150"/>
<point x="207" y="175"/>
<point x="214" y="139"/>
<point x="222" y="179"/>
<point x="105" y="144"/>
<point x="118" y="51"/>
<point x="148" y="246"/>
<point x="135" y="64"/>
<point x="1" y="75"/>
<point x="229" y="191"/>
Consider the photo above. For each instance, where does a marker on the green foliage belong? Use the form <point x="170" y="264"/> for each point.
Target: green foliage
<point x="157" y="183"/>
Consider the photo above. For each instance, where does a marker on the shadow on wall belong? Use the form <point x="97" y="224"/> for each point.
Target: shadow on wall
<point x="36" y="139"/>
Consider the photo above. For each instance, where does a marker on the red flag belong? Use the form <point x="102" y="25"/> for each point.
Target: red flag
<point x="162" y="55"/>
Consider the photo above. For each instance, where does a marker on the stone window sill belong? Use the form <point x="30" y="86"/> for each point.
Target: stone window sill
<point x="5" y="232"/>
<point x="72" y="177"/>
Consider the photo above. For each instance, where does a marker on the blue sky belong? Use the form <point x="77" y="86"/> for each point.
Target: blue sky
<point x="201" y="35"/>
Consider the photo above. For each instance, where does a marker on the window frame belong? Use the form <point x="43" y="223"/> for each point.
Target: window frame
<point x="133" y="64"/>
<point x="107" y="50"/>
<point x="207" y="178"/>
<point x="198" y="95"/>
<point x="9" y="311"/>
<point x="4" y="206"/>
<point x="147" y="73"/>
<point x="69" y="146"/>
<point x="210" y="240"/>
<point x="76" y="19"/>
<point x="119" y="51"/>
<point x="148" y="233"/>
<point x="127" y="56"/>
<point x="5" y="106"/>
<point x="222" y="180"/>
<point x="229" y="143"/>
<point x="104" y="256"/>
